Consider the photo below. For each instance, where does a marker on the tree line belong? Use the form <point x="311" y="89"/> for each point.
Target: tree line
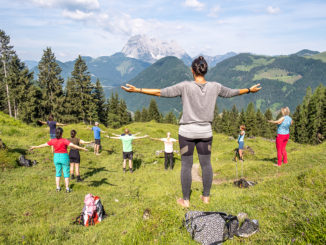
<point x="80" y="100"/>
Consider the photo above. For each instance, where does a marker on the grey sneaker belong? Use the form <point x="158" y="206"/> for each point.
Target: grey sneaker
<point x="68" y="190"/>
<point x="58" y="189"/>
<point x="248" y="228"/>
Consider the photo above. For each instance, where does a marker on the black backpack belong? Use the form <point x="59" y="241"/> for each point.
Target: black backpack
<point x="210" y="228"/>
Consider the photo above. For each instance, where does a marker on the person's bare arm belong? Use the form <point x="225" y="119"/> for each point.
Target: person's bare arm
<point x="279" y="121"/>
<point x="39" y="146"/>
<point x="61" y="124"/>
<point x="84" y="142"/>
<point x="118" y="135"/>
<point x="253" y="89"/>
<point x="103" y="131"/>
<point x="115" y="138"/>
<point x="156" y="139"/>
<point x="42" y="122"/>
<point x="242" y="133"/>
<point x="132" y="89"/>
<point x="77" y="147"/>
<point x="140" y="137"/>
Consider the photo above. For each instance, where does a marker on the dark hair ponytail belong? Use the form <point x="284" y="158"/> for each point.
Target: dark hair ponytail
<point x="73" y="133"/>
<point x="58" y="132"/>
<point x="199" y="66"/>
<point x="51" y="117"/>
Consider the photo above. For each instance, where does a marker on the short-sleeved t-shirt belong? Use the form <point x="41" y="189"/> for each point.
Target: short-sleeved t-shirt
<point x="97" y="132"/>
<point x="75" y="141"/>
<point x="168" y="144"/>
<point x="60" y="145"/>
<point x="127" y="142"/>
<point x="52" y="125"/>
<point x="284" y="127"/>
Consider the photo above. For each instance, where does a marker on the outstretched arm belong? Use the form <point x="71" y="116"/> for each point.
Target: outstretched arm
<point x="42" y="122"/>
<point x="132" y="89"/>
<point x="84" y="142"/>
<point x="39" y="146"/>
<point x="61" y="124"/>
<point x="77" y="147"/>
<point x="253" y="89"/>
<point x="118" y="135"/>
<point x="115" y="138"/>
<point x="279" y="121"/>
<point x="156" y="139"/>
<point x="140" y="137"/>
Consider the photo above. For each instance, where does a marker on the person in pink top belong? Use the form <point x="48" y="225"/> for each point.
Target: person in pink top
<point x="61" y="157"/>
<point x="168" y="150"/>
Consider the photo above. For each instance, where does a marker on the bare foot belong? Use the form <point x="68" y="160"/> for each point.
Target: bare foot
<point x="183" y="203"/>
<point x="205" y="199"/>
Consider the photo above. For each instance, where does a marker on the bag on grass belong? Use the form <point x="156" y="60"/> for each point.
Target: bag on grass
<point x="210" y="228"/>
<point x="93" y="211"/>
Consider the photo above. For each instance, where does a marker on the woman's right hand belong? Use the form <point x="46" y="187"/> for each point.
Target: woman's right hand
<point x="130" y="88"/>
<point x="255" y="88"/>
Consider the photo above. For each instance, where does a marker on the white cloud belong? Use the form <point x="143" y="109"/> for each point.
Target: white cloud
<point x="272" y="10"/>
<point x="77" y="14"/>
<point x="214" y="11"/>
<point x="69" y="4"/>
<point x="194" y="4"/>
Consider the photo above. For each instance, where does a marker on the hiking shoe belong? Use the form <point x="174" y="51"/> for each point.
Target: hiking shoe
<point x="248" y="228"/>
<point x="130" y="170"/>
<point x="72" y="176"/>
<point x="68" y="190"/>
<point x="124" y="170"/>
<point x="79" y="179"/>
<point x="58" y="189"/>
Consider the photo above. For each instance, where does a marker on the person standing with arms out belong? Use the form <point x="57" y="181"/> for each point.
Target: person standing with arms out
<point x="127" y="153"/>
<point x="198" y="102"/>
<point x="241" y="141"/>
<point x="283" y="135"/>
<point x="168" y="150"/>
<point x="97" y="136"/>
<point x="52" y="125"/>
<point x="60" y="158"/>
<point x="74" y="155"/>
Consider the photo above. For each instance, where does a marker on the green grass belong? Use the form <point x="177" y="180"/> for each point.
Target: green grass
<point x="255" y="63"/>
<point x="277" y="74"/>
<point x="320" y="56"/>
<point x="289" y="202"/>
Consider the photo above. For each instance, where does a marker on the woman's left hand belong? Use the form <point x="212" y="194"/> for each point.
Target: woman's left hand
<point x="129" y="88"/>
<point x="255" y="88"/>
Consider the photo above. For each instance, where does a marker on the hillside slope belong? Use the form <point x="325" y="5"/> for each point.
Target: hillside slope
<point x="163" y="73"/>
<point x="111" y="70"/>
<point x="289" y="202"/>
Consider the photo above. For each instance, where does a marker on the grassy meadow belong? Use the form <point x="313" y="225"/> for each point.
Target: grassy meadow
<point x="289" y="202"/>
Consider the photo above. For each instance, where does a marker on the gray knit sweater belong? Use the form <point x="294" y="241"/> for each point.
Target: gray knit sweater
<point x="198" y="102"/>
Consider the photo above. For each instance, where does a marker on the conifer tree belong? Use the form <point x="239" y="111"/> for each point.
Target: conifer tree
<point x="137" y="116"/>
<point x="270" y="129"/>
<point x="226" y="123"/>
<point x="50" y="82"/>
<point x="315" y="113"/>
<point x="170" y="118"/>
<point x="81" y="77"/>
<point x="6" y="53"/>
<point x="99" y="100"/>
<point x="20" y="82"/>
<point x="113" y="117"/>
<point x="144" y="115"/>
<point x="324" y="115"/>
<point x="72" y="104"/>
<point x="153" y="112"/>
<point x="216" y="124"/>
<point x="124" y="115"/>
<point x="234" y="118"/>
<point x="261" y="123"/>
<point x="250" y="120"/>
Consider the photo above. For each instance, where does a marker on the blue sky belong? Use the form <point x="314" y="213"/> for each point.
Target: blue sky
<point x="98" y="28"/>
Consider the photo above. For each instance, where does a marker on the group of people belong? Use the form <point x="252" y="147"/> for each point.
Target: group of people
<point x="198" y="100"/>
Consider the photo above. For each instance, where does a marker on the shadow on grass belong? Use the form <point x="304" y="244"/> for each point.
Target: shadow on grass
<point x="96" y="183"/>
<point x="110" y="151"/>
<point x="18" y="150"/>
<point x="93" y="171"/>
<point x="269" y="159"/>
<point x="137" y="163"/>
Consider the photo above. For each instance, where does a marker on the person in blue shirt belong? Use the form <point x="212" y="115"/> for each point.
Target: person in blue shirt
<point x="283" y="135"/>
<point x="97" y="136"/>
<point x="241" y="141"/>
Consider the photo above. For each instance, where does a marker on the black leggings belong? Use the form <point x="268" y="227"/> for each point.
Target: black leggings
<point x="203" y="147"/>
<point x="168" y="160"/>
